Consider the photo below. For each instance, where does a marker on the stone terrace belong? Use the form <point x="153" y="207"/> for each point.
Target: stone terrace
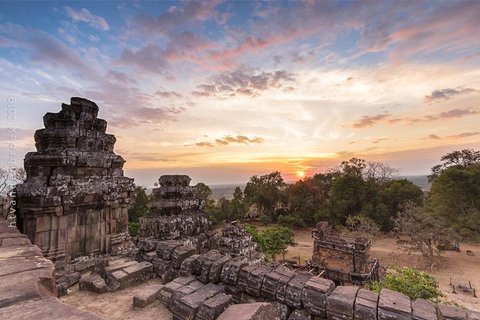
<point x="27" y="284"/>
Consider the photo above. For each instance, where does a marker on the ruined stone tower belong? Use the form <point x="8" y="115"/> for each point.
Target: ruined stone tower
<point x="75" y="199"/>
<point x="175" y="212"/>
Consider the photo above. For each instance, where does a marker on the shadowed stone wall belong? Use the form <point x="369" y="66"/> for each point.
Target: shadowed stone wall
<point x="75" y="199"/>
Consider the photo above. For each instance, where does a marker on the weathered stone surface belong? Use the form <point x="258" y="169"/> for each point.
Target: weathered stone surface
<point x="423" y="310"/>
<point x="250" y="311"/>
<point x="243" y="276"/>
<point x="394" y="305"/>
<point x="27" y="284"/>
<point x="299" y="314"/>
<point x="340" y="303"/>
<point x="213" y="307"/>
<point x="293" y="297"/>
<point x="255" y="281"/>
<point x="146" y="296"/>
<point x="281" y="310"/>
<point x="342" y="261"/>
<point x="215" y="273"/>
<point x="473" y="315"/>
<point x="75" y="199"/>
<point x="186" y="307"/>
<point x="47" y="308"/>
<point x="366" y="304"/>
<point x="94" y="283"/>
<point x="231" y="270"/>
<point x="180" y="254"/>
<point x="187" y="266"/>
<point x="175" y="212"/>
<point x="166" y="292"/>
<point x="235" y="241"/>
<point x="452" y="313"/>
<point x="130" y="275"/>
<point x="314" y="295"/>
<point x="286" y="276"/>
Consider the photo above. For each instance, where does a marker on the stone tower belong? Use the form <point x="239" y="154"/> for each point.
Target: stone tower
<point x="75" y="199"/>
<point x="175" y="212"/>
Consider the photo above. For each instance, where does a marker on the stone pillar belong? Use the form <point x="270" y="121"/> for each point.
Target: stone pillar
<point x="75" y="199"/>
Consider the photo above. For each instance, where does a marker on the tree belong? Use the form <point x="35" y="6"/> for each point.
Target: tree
<point x="411" y="282"/>
<point x="455" y="193"/>
<point x="202" y="191"/>
<point x="9" y="178"/>
<point x="266" y="193"/>
<point x="465" y="158"/>
<point x="272" y="240"/>
<point x="361" y="226"/>
<point x="237" y="205"/>
<point x="423" y="231"/>
<point x="137" y="209"/>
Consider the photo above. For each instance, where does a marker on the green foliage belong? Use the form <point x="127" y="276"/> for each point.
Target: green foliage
<point x="266" y="193"/>
<point x="133" y="228"/>
<point x="272" y="240"/>
<point x="361" y="226"/>
<point x="455" y="194"/>
<point x="409" y="281"/>
<point x="423" y="229"/>
<point x="139" y="205"/>
<point x="290" y="221"/>
<point x="202" y="191"/>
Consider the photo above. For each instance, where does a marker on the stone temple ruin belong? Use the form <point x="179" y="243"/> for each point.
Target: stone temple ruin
<point x="75" y="199"/>
<point x="74" y="203"/>
<point x="341" y="261"/>
<point x="175" y="213"/>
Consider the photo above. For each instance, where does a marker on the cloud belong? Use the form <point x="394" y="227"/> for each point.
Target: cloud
<point x="84" y="15"/>
<point x="464" y="135"/>
<point x="454" y="136"/>
<point x="184" y="46"/>
<point x="226" y="140"/>
<point x="451" y="114"/>
<point x="243" y="82"/>
<point x="204" y="144"/>
<point x="168" y="94"/>
<point x="368" y="121"/>
<point x="43" y="48"/>
<point x="448" y="93"/>
<point x="176" y="18"/>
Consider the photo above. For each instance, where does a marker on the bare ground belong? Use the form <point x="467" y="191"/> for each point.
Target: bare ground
<point x="117" y="305"/>
<point x="457" y="266"/>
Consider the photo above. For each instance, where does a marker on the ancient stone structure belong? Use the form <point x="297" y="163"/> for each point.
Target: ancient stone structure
<point x="27" y="283"/>
<point x="235" y="241"/>
<point x="75" y="199"/>
<point x="175" y="213"/>
<point x="342" y="261"/>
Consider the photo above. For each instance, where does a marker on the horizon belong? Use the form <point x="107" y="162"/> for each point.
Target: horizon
<point x="224" y="90"/>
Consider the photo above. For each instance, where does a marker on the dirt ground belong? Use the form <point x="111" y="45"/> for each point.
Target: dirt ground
<point x="117" y="305"/>
<point x="457" y="266"/>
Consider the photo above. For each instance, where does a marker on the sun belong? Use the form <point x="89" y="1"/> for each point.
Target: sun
<point x="300" y="174"/>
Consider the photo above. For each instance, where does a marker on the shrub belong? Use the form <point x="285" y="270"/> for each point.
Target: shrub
<point x="409" y="281"/>
<point x="133" y="228"/>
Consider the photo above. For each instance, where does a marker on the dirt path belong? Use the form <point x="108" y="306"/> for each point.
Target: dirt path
<point x="117" y="305"/>
<point x="458" y="266"/>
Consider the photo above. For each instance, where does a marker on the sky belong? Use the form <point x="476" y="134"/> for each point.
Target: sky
<point x="223" y="90"/>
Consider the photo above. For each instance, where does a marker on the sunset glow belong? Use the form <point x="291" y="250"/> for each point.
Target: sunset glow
<point x="223" y="90"/>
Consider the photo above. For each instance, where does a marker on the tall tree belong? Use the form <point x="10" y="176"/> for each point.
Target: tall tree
<point x="266" y="192"/>
<point x="455" y="193"/>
